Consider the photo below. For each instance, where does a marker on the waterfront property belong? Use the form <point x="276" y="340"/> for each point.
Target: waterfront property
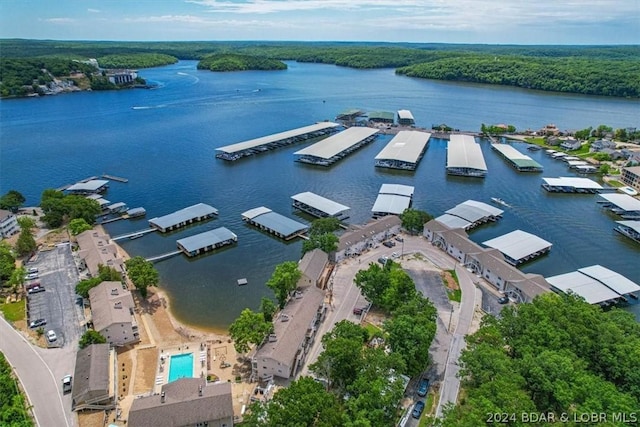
<point x="404" y="151"/>
<point x="631" y="229"/>
<point x="207" y="241"/>
<point x="570" y="185"/>
<point x="336" y="147"/>
<point x="294" y="330"/>
<point x="319" y="206"/>
<point x="270" y="142"/>
<point x="95" y="249"/>
<point x="91" y="186"/>
<point x="405" y="118"/>
<point x="267" y="220"/>
<point x="519" y="246"/>
<point x="470" y="214"/>
<point x="185" y="402"/>
<point x="585" y="169"/>
<point x="8" y="224"/>
<point x="112" y="313"/>
<point x="521" y="162"/>
<point x="95" y="378"/>
<point x="183" y="217"/>
<point x="464" y="157"/>
<point x="180" y="366"/>
<point x="392" y="199"/>
<point x="596" y="284"/>
<point x="631" y="176"/>
<point x="358" y="239"/>
<point x="313" y="265"/>
<point x="621" y="204"/>
<point x="487" y="263"/>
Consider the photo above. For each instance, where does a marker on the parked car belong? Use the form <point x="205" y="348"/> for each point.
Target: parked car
<point x="37" y="323"/>
<point x="35" y="289"/>
<point x="399" y="238"/>
<point x="423" y="387"/>
<point x="31" y="276"/>
<point x="389" y="243"/>
<point x="383" y="260"/>
<point x="358" y="311"/>
<point x="66" y="384"/>
<point x="51" y="335"/>
<point x="417" y="409"/>
<point x="32" y="270"/>
<point x="503" y="300"/>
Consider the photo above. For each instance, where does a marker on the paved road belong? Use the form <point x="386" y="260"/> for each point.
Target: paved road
<point x="40" y="384"/>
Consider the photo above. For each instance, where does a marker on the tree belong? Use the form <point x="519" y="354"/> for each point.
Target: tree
<point x="249" y="328"/>
<point x="91" y="337"/>
<point x="7" y="261"/>
<point x="304" y="402"/>
<point x="12" y="201"/>
<point x="17" y="277"/>
<point x="26" y="244"/>
<point x="105" y="274"/>
<point x="268" y="308"/>
<point x="328" y="242"/>
<point x="604" y="169"/>
<point x="283" y="280"/>
<point x="413" y="220"/>
<point x="83" y="286"/>
<point x="78" y="225"/>
<point x="324" y="225"/>
<point x="26" y="222"/>
<point x="142" y="273"/>
<point x="583" y="134"/>
<point x="373" y="282"/>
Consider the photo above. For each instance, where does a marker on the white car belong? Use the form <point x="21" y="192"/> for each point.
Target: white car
<point x="51" y="336"/>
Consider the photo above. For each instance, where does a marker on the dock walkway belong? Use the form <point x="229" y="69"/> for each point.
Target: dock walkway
<point x="129" y="235"/>
<point x="114" y="178"/>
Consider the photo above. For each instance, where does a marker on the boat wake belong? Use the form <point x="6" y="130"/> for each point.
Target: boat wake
<point x="148" y="107"/>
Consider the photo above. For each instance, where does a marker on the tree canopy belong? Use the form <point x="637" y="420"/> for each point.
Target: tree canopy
<point x="91" y="337"/>
<point x="249" y="328"/>
<point x="413" y="220"/>
<point x="7" y="261"/>
<point x="136" y="60"/>
<point x="78" y="225"/>
<point x="13" y="405"/>
<point x="105" y="274"/>
<point x="58" y="207"/>
<point x="235" y="62"/>
<point x="321" y="235"/>
<point x="12" y="201"/>
<point x="283" y="281"/>
<point x="142" y="273"/>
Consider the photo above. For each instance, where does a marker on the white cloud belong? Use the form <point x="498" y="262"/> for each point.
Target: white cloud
<point x="93" y="10"/>
<point x="275" y="6"/>
<point x="58" y="20"/>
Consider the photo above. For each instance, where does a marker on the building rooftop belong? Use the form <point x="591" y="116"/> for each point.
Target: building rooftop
<point x="615" y="281"/>
<point x="208" y="238"/>
<point x="182" y="215"/>
<point x="518" y="244"/>
<point x="519" y="159"/>
<point x="623" y="201"/>
<point x="473" y="211"/>
<point x="399" y="189"/>
<point x="274" y="221"/>
<point x="336" y="144"/>
<point x="405" y="115"/>
<point x="91" y="374"/>
<point x="90" y="186"/>
<point x="573" y="182"/>
<point x="464" y="152"/>
<point x="110" y="303"/>
<point x="320" y="203"/>
<point x="245" y="145"/>
<point x="634" y="225"/>
<point x="595" y="284"/>
<point x="406" y="146"/>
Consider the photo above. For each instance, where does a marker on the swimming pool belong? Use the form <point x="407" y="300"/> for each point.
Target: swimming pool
<point x="181" y="366"/>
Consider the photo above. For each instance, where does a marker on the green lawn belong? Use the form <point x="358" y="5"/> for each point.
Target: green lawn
<point x="455" y="294"/>
<point x="615" y="183"/>
<point x="373" y="330"/>
<point x="14" y="311"/>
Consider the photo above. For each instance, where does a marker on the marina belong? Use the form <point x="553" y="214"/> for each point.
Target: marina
<point x="404" y="151"/>
<point x="571" y="185"/>
<point x="92" y="186"/>
<point x="183" y="217"/>
<point x="631" y="229"/>
<point x="520" y="162"/>
<point x="236" y="151"/>
<point x="405" y="118"/>
<point x="319" y="206"/>
<point x="336" y="147"/>
<point x="274" y="223"/>
<point x="620" y="204"/>
<point x="204" y="242"/>
<point x="392" y="199"/>
<point x="596" y="284"/>
<point x="519" y="246"/>
<point x="469" y="214"/>
<point x="464" y="157"/>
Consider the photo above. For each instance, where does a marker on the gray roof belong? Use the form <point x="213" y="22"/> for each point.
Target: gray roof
<point x="183" y="406"/>
<point x="91" y="185"/>
<point x="623" y="201"/>
<point x="518" y="158"/>
<point x="406" y="146"/>
<point x="569" y="181"/>
<point x="110" y="303"/>
<point x="136" y="211"/>
<point x="208" y="238"/>
<point x="464" y="152"/>
<point x="91" y="375"/>
<point x="518" y="244"/>
<point x="391" y="204"/>
<point x="634" y="225"/>
<point x="290" y="334"/>
<point x="588" y="288"/>
<point x="452" y="221"/>
<point x="336" y="144"/>
<point x="274" y="221"/>
<point x="188" y="213"/>
<point x="615" y="281"/>
<point x="276" y="137"/>
<point x="399" y="189"/>
<point x="405" y="114"/>
<point x="117" y="205"/>
<point x="357" y="234"/>
<point x="386" y="115"/>
<point x="313" y="263"/>
<point x="320" y="203"/>
<point x="473" y="211"/>
<point x="493" y="211"/>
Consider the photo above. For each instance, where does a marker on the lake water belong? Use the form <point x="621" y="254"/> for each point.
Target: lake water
<point x="163" y="140"/>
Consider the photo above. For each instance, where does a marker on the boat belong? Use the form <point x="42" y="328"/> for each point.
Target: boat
<point x="136" y="236"/>
<point x="499" y="201"/>
<point x="533" y="148"/>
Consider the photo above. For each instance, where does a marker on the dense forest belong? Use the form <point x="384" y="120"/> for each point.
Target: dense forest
<point x="559" y="356"/>
<point x="234" y="62"/>
<point x="136" y="60"/>
<point x="591" y="70"/>
<point x="13" y="406"/>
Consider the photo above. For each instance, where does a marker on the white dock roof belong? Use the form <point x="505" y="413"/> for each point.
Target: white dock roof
<point x="591" y="290"/>
<point x="405" y="114"/>
<point x="195" y="211"/>
<point x="615" y="281"/>
<point x="320" y="203"/>
<point x="635" y="225"/>
<point x="452" y="221"/>
<point x="391" y="204"/>
<point x="399" y="189"/>
<point x="569" y="181"/>
<point x="464" y="152"/>
<point x="208" y="238"/>
<point x="518" y="244"/>
<point x="623" y="201"/>
<point x="473" y="211"/>
<point x="485" y="207"/>
<point x="252" y="143"/>
<point x="336" y="144"/>
<point x="406" y="146"/>
<point x="91" y="185"/>
<point x="274" y="221"/>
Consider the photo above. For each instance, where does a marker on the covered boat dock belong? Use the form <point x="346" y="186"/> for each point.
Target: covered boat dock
<point x="92" y="186"/>
<point x="319" y="206"/>
<point x="404" y="151"/>
<point x="469" y="214"/>
<point x="519" y="246"/>
<point x="631" y="229"/>
<point x="596" y="284"/>
<point x="386" y="117"/>
<point x="405" y="118"/>
<point x="265" y="219"/>
<point x="183" y="217"/>
<point x="521" y="162"/>
<point x="336" y="147"/>
<point x="207" y="241"/>
<point x="266" y="143"/>
<point x="392" y="199"/>
<point x="621" y="204"/>
<point x="464" y="157"/>
<point x="571" y="185"/>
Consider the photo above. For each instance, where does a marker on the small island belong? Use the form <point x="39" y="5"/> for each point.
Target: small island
<point x="234" y="62"/>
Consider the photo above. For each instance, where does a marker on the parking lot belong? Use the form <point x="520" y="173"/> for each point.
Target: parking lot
<point x="58" y="275"/>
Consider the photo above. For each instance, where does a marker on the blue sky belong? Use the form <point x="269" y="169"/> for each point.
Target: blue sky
<point x="446" y="21"/>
